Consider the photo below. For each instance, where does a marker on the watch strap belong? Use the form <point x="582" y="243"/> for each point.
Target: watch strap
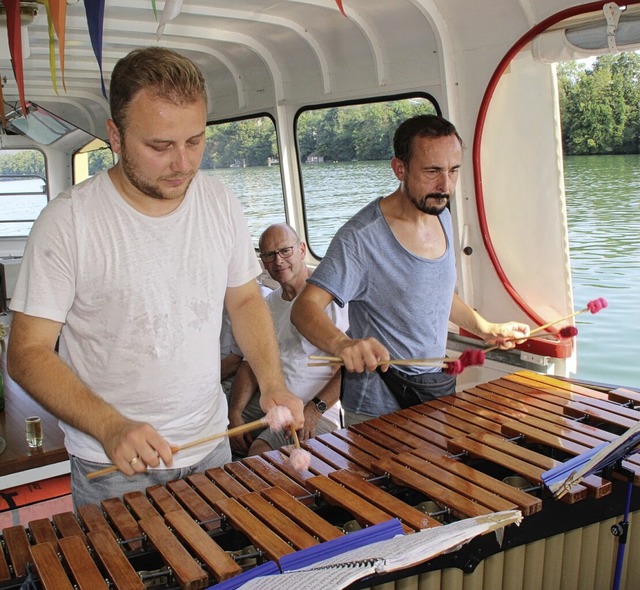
<point x="321" y="405"/>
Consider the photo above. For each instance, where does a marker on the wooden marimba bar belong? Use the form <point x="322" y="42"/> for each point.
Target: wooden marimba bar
<point x="453" y="451"/>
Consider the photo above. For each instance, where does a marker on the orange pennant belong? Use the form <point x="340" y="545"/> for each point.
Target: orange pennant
<point x="52" y="47"/>
<point x="339" y="3"/>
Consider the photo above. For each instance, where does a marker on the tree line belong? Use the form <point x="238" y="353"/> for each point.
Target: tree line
<point x="358" y="132"/>
<point x="599" y="105"/>
<point x="599" y="108"/>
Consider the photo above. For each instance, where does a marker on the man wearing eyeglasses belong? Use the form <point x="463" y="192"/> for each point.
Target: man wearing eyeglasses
<point x="283" y="256"/>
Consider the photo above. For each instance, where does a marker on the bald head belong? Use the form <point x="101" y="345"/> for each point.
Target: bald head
<point x="282" y="254"/>
<point x="279" y="229"/>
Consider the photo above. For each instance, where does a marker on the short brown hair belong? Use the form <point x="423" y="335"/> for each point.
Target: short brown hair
<point x="420" y="126"/>
<point x="164" y="72"/>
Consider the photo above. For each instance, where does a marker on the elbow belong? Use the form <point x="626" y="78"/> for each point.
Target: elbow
<point x="13" y="364"/>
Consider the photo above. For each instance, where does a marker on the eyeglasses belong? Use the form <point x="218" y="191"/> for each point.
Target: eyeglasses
<point x="286" y="252"/>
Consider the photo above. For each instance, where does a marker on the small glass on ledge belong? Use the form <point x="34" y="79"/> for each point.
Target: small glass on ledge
<point x="33" y="431"/>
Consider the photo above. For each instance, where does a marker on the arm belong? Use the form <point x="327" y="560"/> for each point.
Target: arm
<point x="34" y="364"/>
<point x="254" y="333"/>
<point x="245" y="385"/>
<point x="330" y="394"/>
<point x="308" y="315"/>
<point x="229" y="366"/>
<point x="506" y="335"/>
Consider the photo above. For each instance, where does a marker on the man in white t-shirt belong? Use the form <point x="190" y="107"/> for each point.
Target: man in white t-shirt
<point x="282" y="253"/>
<point x="131" y="270"/>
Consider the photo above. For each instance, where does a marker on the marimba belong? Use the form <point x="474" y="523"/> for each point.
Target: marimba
<point x="451" y="454"/>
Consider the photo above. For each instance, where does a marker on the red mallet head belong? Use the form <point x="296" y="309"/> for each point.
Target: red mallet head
<point x="597" y="304"/>
<point x="472" y="356"/>
<point x="567" y="332"/>
<point x="454" y="367"/>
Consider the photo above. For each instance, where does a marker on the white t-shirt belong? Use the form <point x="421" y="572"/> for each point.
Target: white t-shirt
<point x="141" y="300"/>
<point x="301" y="379"/>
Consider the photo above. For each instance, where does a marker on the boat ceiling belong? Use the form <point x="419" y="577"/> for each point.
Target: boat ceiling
<point x="258" y="55"/>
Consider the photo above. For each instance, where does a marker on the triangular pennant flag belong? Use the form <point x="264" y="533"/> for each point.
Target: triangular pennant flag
<point x="52" y="46"/>
<point x="95" y="22"/>
<point x="339" y="3"/>
<point x="155" y="11"/>
<point x="58" y="14"/>
<point x="171" y="9"/>
<point x="14" y="34"/>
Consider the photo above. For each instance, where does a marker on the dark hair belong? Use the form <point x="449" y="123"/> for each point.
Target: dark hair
<point x="420" y="126"/>
<point x="162" y="71"/>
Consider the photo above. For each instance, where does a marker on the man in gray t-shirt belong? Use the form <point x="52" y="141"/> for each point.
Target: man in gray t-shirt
<point x="394" y="264"/>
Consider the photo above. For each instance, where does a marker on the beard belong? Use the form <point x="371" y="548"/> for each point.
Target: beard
<point x="422" y="203"/>
<point x="145" y="186"/>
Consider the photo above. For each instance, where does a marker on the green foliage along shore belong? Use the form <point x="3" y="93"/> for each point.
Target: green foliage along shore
<point x="599" y="105"/>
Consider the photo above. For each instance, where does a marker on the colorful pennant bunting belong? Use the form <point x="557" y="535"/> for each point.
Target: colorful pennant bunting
<point x="95" y="22"/>
<point x="57" y="14"/>
<point x="14" y="34"/>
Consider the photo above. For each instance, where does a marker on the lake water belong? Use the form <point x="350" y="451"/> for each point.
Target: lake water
<point x="603" y="205"/>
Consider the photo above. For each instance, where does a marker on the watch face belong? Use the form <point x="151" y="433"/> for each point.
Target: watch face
<point x="322" y="406"/>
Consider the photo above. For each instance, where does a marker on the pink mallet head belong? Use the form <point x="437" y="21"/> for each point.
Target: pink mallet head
<point x="278" y="417"/>
<point x="596" y="305"/>
<point x="300" y="459"/>
<point x="567" y="332"/>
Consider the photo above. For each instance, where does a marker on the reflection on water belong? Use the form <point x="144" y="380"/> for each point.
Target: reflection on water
<point x="603" y="204"/>
<point x="603" y="201"/>
<point x="260" y="192"/>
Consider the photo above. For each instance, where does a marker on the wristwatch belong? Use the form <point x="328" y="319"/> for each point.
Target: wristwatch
<point x="321" y="405"/>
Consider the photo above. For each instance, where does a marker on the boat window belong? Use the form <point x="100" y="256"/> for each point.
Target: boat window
<point x="345" y="154"/>
<point x="91" y="159"/>
<point x="23" y="190"/>
<point x="244" y="156"/>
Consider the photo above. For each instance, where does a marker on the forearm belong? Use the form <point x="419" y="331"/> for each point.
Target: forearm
<point x="244" y="387"/>
<point x="55" y="386"/>
<point x="309" y="316"/>
<point x="229" y="366"/>
<point x="255" y="335"/>
<point x="330" y="392"/>
<point x="467" y="318"/>
<point x="33" y="363"/>
<point x="506" y="335"/>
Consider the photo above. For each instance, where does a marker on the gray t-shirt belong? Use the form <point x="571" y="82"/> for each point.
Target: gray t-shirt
<point x="399" y="298"/>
